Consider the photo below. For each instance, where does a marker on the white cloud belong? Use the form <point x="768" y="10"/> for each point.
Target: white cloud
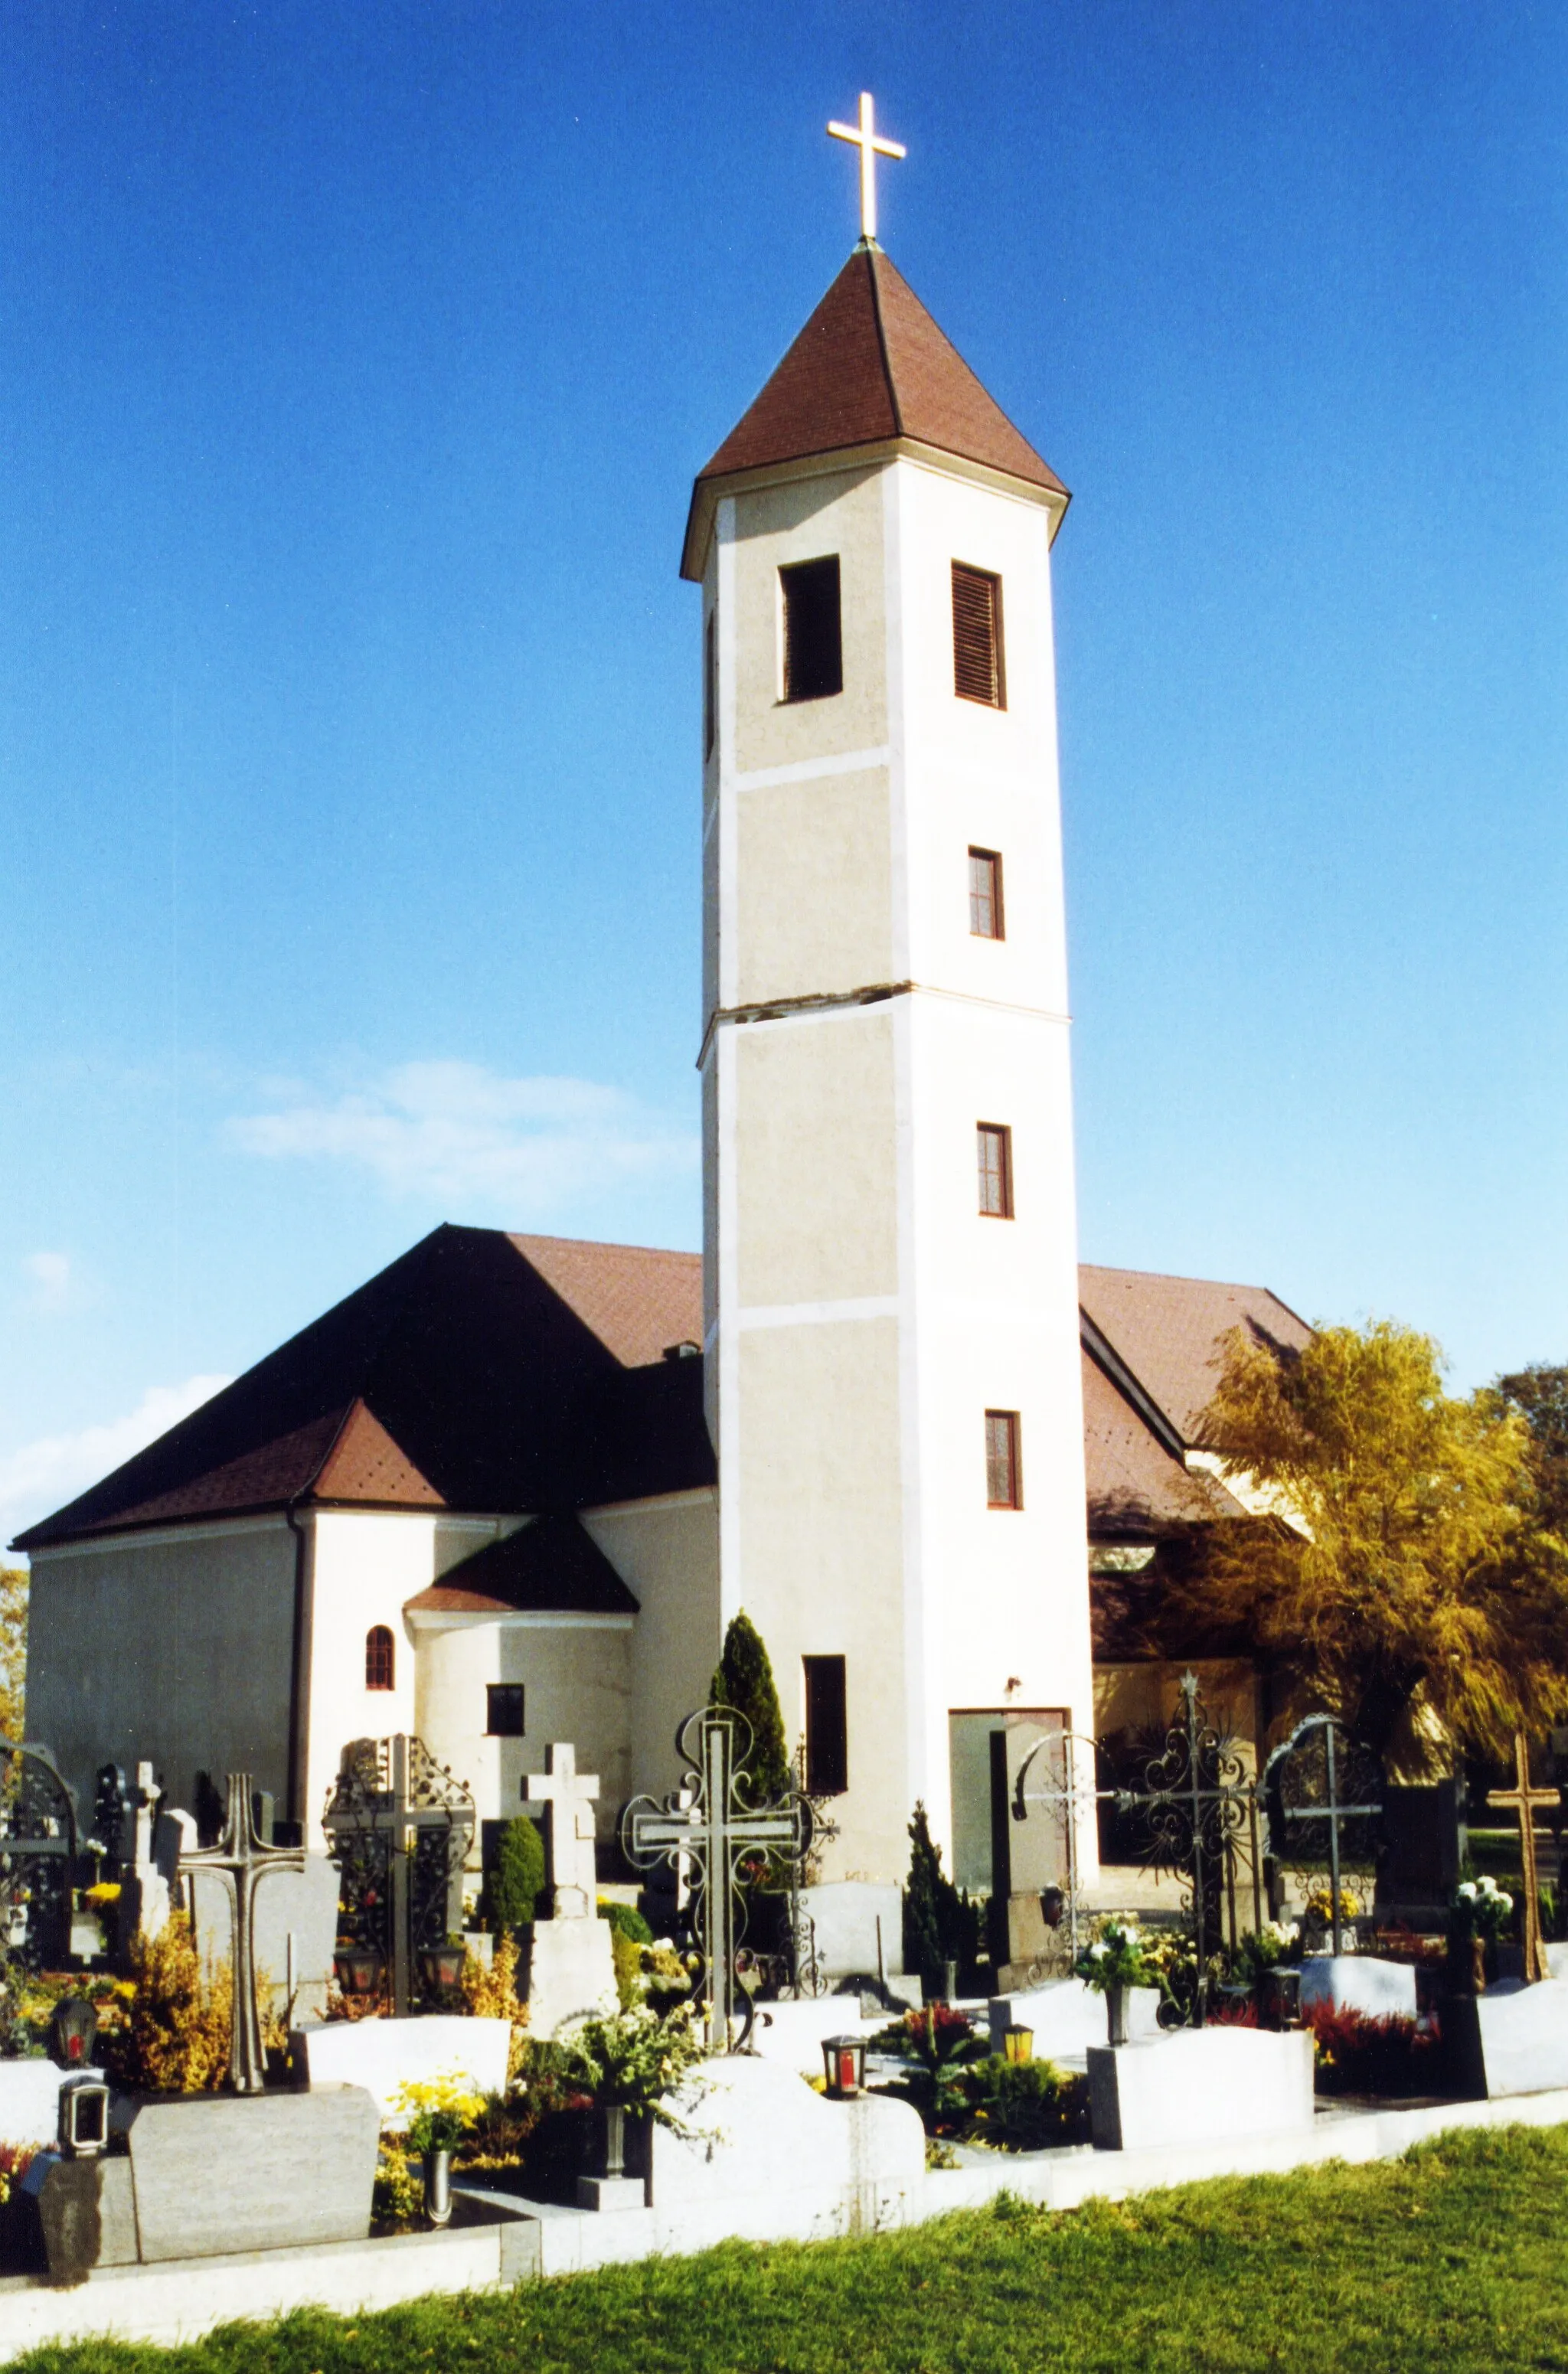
<point x="457" y="1135"/>
<point x="54" y="1281"/>
<point x="40" y="1477"/>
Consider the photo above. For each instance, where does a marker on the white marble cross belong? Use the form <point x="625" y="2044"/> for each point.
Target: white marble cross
<point x="569" y="1794"/>
<point x="148" y="1798"/>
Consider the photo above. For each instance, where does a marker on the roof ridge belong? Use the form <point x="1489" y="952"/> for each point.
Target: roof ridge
<point x="872" y="253"/>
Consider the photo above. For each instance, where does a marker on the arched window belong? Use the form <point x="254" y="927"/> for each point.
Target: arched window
<point x="379" y="1666"/>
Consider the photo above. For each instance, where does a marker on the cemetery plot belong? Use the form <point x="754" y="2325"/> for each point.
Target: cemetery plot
<point x="400" y="1827"/>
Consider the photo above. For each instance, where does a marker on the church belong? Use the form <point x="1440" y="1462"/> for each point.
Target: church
<point x="513" y="1490"/>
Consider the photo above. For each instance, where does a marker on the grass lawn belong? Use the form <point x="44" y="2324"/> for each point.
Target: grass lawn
<point x="1449" y="2261"/>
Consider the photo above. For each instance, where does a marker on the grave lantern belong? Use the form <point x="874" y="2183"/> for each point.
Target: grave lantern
<point x="845" y="2057"/>
<point x="84" y="2118"/>
<point x="1019" y="2043"/>
<point x="73" y="2032"/>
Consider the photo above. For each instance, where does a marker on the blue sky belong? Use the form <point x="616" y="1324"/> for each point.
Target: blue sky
<point x="354" y="361"/>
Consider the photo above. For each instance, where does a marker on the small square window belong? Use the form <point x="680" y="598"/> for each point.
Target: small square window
<point x="503" y="1711"/>
<point x="977" y="637"/>
<point x="986" y="894"/>
<point x="1004" y="1479"/>
<point x="813" y="640"/>
<point x="994" y="1148"/>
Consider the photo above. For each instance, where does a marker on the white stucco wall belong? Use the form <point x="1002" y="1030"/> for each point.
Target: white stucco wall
<point x="173" y="1645"/>
<point x="667" y="1553"/>
<point x="862" y="1315"/>
<point x="576" y="1677"/>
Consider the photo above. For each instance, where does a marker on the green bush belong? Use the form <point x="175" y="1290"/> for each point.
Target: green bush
<point x="1028" y="2104"/>
<point x="940" y="1925"/>
<point x="626" y="1921"/>
<point x="517" y="1877"/>
<point x="744" y="1680"/>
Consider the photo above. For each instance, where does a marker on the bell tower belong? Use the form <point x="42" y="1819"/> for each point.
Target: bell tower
<point x="889" y="1231"/>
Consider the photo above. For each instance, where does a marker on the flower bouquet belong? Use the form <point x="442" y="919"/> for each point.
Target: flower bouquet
<point x="1477" y="1918"/>
<point x="1115" y="1961"/>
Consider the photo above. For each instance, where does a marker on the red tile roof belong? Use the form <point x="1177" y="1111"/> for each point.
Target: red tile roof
<point x="871" y="364"/>
<point x="1137" y="1488"/>
<point x="1171" y="1331"/>
<point x="482" y="1372"/>
<point x="550" y="1565"/>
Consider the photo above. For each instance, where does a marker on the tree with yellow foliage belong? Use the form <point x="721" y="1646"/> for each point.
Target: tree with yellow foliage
<point x="13" y="1648"/>
<point x="1411" y="1580"/>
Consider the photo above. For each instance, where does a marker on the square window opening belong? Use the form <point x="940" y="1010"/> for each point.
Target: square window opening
<point x="503" y="1711"/>
<point x="813" y="636"/>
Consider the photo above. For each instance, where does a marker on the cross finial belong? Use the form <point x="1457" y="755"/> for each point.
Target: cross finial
<point x="864" y="136"/>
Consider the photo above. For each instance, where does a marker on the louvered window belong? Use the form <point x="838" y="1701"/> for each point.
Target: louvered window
<point x="826" y="1727"/>
<point x="994" y="1146"/>
<point x="710" y="683"/>
<point x="986" y="894"/>
<point x="813" y="638"/>
<point x="380" y="1659"/>
<point x="977" y="637"/>
<point x="1004" y="1480"/>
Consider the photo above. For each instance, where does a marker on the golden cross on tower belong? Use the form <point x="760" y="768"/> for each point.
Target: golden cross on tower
<point x="865" y="137"/>
<point x="1522" y="1800"/>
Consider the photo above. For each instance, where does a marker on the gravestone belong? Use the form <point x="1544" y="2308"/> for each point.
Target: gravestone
<point x="1512" y="2039"/>
<point x="384" y="2056"/>
<point x="571" y="1970"/>
<point x="1199" y="2086"/>
<point x="856" y="1927"/>
<point x="144" y="1879"/>
<point x="1066" y="2016"/>
<point x="1425" y="1844"/>
<point x="1359" y="1982"/>
<point x="215" y="2173"/>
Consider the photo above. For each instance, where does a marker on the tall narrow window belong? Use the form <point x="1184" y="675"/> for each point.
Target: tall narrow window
<point x="986" y="894"/>
<point x="380" y="1666"/>
<point x="827" y="1728"/>
<point x="994" y="1148"/>
<point x="977" y="637"/>
<point x="813" y="639"/>
<point x="503" y="1710"/>
<point x="1004" y="1478"/>
<point x="710" y="682"/>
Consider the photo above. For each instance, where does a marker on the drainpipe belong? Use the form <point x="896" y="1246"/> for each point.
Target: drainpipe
<point x="299" y="1664"/>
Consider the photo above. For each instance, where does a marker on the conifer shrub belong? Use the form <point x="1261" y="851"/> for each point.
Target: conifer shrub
<point x="517" y="1877"/>
<point x="744" y="1679"/>
<point x="940" y="1925"/>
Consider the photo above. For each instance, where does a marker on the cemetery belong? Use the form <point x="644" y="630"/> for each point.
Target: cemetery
<point x="238" y="2106"/>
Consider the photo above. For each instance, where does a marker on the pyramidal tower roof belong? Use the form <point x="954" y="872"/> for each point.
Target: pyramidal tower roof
<point x="870" y="365"/>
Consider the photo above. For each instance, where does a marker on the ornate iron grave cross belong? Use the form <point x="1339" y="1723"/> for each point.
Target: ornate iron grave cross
<point x="38" y="1852"/>
<point x="1073" y="1805"/>
<point x="1341" y="1760"/>
<point x="708" y="1823"/>
<point x="241" y="1861"/>
<point x="1197" y="1797"/>
<point x="401" y="1826"/>
<point x="1522" y="1800"/>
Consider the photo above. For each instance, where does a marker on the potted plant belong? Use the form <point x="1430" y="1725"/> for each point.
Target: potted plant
<point x="441" y="2112"/>
<point x="1267" y="1960"/>
<point x="1114" y="1962"/>
<point x="631" y="2063"/>
<point x="1477" y="1918"/>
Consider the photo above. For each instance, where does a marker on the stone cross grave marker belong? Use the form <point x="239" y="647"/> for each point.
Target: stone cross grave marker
<point x="708" y="1822"/>
<point x="568" y="1796"/>
<point x="240" y="1862"/>
<point x="1522" y="1799"/>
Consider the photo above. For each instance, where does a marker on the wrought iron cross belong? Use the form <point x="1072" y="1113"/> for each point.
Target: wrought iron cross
<point x="1330" y="1811"/>
<point x="708" y="1823"/>
<point x="38" y="1826"/>
<point x="1522" y="1800"/>
<point x="241" y="1861"/>
<point x="393" y="1790"/>
<point x="1069" y="1799"/>
<point x="864" y="136"/>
